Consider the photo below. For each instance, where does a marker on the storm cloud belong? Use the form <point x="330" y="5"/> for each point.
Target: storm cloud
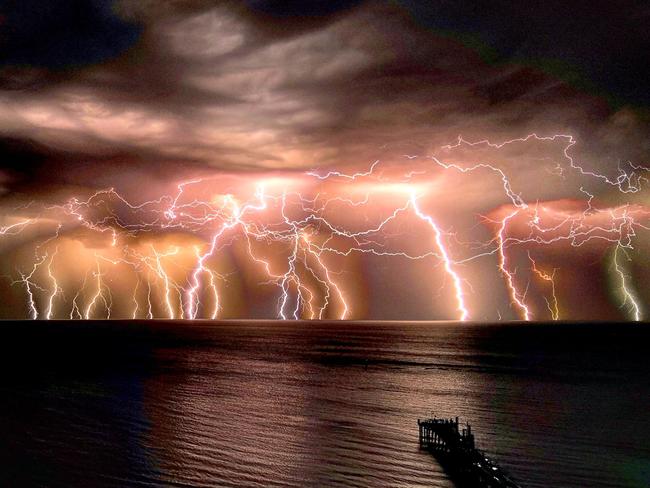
<point x="288" y="85"/>
<point x="100" y="94"/>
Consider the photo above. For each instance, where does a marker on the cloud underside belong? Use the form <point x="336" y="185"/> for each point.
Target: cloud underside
<point x="214" y="88"/>
<point x="236" y="93"/>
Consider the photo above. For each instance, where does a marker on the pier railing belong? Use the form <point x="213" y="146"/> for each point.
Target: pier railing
<point x="455" y="448"/>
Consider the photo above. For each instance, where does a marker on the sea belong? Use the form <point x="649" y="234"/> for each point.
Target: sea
<point x="318" y="404"/>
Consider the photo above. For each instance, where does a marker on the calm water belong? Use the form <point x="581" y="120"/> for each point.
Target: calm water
<point x="267" y="404"/>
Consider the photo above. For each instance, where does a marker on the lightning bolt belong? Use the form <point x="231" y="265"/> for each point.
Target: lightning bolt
<point x="460" y="299"/>
<point x="550" y="278"/>
<point x="628" y="295"/>
<point x="297" y="230"/>
<point x="515" y="297"/>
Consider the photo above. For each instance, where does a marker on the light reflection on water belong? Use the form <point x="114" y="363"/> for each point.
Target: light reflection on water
<point x="265" y="404"/>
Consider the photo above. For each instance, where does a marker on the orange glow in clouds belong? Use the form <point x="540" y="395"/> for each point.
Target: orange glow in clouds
<point x="301" y="235"/>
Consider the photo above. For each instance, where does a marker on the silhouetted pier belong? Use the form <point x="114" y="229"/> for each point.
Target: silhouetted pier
<point x="455" y="450"/>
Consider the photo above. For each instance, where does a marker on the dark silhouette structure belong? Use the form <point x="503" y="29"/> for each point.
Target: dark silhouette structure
<point x="455" y="450"/>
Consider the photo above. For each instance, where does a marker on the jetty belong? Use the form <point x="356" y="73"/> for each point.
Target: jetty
<point x="455" y="449"/>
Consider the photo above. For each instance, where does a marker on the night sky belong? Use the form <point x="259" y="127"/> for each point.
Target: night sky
<point x="141" y="96"/>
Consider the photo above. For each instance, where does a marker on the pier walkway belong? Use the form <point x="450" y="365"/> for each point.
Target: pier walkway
<point x="455" y="450"/>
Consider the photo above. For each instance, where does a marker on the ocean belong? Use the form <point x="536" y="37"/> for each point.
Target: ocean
<point x="314" y="404"/>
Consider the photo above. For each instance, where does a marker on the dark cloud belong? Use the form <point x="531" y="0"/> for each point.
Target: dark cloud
<point x="138" y="95"/>
<point x="295" y="85"/>
<point x="598" y="45"/>
<point x="58" y="35"/>
<point x="301" y="8"/>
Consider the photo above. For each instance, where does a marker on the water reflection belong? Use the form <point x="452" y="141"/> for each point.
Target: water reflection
<point x="318" y="404"/>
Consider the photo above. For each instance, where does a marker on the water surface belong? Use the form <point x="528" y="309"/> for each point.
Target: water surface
<point x="319" y="404"/>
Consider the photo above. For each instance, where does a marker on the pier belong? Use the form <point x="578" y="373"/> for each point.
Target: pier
<point x="455" y="449"/>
